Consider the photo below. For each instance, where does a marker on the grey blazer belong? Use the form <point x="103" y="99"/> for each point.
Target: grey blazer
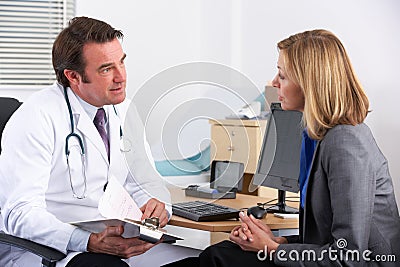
<point x="350" y="208"/>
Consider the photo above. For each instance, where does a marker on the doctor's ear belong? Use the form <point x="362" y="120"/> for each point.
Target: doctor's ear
<point x="73" y="76"/>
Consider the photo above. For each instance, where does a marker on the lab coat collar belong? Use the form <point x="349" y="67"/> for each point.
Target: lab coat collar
<point x="85" y="125"/>
<point x="113" y="132"/>
<point x="118" y="166"/>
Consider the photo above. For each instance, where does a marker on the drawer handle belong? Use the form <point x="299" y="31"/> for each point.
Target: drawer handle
<point x="231" y="148"/>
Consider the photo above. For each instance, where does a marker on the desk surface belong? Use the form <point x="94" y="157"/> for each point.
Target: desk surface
<point x="241" y="201"/>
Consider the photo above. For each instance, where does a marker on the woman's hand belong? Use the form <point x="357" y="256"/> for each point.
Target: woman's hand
<point x="242" y="232"/>
<point x="253" y="235"/>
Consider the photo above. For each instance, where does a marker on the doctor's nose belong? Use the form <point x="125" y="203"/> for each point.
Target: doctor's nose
<point x="120" y="74"/>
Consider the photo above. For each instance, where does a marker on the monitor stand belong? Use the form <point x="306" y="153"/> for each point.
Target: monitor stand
<point x="281" y="206"/>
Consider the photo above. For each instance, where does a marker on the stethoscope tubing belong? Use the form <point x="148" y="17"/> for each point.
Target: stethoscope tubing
<point x="72" y="134"/>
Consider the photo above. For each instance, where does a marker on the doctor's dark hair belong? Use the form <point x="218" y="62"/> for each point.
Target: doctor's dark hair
<point x="68" y="47"/>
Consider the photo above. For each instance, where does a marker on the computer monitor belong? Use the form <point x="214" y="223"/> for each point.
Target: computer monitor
<point x="227" y="176"/>
<point x="279" y="161"/>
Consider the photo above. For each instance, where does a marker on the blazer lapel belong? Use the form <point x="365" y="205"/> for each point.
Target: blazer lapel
<point x="309" y="184"/>
<point x="86" y="126"/>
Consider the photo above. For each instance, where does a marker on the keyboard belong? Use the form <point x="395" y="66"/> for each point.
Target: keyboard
<point x="201" y="211"/>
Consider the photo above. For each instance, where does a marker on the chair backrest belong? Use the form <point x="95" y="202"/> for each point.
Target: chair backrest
<point x="8" y="106"/>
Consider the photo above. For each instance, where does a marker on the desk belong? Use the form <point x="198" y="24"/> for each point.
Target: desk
<point x="200" y="235"/>
<point x="241" y="201"/>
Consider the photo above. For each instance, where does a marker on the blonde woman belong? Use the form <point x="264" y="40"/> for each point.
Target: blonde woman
<point x="349" y="215"/>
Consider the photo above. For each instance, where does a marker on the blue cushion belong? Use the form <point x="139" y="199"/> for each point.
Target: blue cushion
<point x="190" y="166"/>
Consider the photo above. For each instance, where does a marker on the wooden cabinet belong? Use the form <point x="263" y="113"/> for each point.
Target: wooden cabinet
<point x="238" y="140"/>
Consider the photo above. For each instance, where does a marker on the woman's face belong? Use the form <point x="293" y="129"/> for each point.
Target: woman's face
<point x="290" y="94"/>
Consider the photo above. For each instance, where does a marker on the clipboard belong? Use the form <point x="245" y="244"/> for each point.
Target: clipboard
<point x="143" y="230"/>
<point x="118" y="208"/>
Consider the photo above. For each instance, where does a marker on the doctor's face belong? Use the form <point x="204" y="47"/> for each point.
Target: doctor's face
<point x="104" y="79"/>
<point x="290" y="94"/>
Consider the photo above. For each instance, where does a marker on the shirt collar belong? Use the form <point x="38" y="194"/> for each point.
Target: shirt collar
<point x="90" y="109"/>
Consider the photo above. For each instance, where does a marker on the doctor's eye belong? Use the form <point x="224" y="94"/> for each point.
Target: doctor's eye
<point x="105" y="70"/>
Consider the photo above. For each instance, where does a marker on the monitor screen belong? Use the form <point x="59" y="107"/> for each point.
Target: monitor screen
<point x="279" y="161"/>
<point x="227" y="175"/>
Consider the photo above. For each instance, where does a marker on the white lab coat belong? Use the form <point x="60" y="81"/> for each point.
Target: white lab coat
<point x="35" y="194"/>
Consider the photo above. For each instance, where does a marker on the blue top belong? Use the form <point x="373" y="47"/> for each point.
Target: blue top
<point x="306" y="155"/>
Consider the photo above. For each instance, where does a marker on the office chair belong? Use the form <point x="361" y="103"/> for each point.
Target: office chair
<point x="7" y="107"/>
<point x="49" y="255"/>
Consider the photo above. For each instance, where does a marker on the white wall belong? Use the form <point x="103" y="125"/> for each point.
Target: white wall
<point x="243" y="35"/>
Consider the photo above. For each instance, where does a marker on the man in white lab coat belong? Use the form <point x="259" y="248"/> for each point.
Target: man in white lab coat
<point x="41" y="192"/>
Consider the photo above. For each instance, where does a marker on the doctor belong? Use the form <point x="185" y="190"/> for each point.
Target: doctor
<point x="42" y="189"/>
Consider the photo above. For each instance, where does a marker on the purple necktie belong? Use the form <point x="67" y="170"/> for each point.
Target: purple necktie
<point x="99" y="121"/>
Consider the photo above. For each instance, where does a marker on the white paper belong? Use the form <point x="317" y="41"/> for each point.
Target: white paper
<point x="117" y="203"/>
<point x="286" y="216"/>
<point x="118" y="208"/>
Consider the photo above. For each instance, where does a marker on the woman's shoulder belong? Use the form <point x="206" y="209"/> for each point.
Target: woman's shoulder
<point x="350" y="143"/>
<point x="346" y="129"/>
<point x="344" y="135"/>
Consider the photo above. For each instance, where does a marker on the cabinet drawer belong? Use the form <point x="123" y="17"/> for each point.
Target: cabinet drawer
<point x="237" y="143"/>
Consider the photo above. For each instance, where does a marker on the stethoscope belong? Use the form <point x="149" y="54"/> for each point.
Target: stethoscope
<point x="71" y="135"/>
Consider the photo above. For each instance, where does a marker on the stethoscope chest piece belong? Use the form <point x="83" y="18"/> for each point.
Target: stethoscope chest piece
<point x="125" y="144"/>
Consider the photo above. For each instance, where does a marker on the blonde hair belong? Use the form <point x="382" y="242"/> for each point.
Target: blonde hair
<point x="317" y="62"/>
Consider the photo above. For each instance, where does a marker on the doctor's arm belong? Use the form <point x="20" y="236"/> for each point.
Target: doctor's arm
<point x="28" y="144"/>
<point x="145" y="184"/>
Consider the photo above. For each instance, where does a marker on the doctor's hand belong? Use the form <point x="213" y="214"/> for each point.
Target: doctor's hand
<point x="111" y="242"/>
<point x="155" y="208"/>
